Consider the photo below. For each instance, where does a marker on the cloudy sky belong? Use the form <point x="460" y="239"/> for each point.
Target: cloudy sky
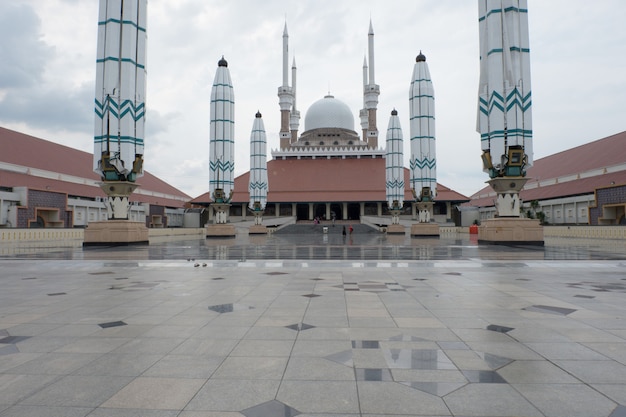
<point x="48" y="53"/>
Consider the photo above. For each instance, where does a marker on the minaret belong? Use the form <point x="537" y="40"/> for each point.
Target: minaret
<point x="257" y="186"/>
<point x="422" y="116"/>
<point x="504" y="116"/>
<point x="119" y="116"/>
<point x="363" y="112"/>
<point x="285" y="96"/>
<point x="372" y="91"/>
<point x="394" y="169"/>
<point x="222" y="141"/>
<point x="294" y="119"/>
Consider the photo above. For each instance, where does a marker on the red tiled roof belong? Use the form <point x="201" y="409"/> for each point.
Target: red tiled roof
<point x="595" y="155"/>
<point x="328" y="180"/>
<point x="27" y="151"/>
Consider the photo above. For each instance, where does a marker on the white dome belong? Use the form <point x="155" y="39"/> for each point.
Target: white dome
<point x="329" y="112"/>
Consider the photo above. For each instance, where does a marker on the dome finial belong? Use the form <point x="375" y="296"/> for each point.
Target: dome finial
<point x="394" y="112"/>
<point x="222" y="62"/>
<point x="420" y="57"/>
<point x="258" y="114"/>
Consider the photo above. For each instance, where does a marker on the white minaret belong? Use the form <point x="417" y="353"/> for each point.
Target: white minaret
<point x="222" y="136"/>
<point x="504" y="109"/>
<point x="257" y="186"/>
<point x="422" y="115"/>
<point x="120" y="99"/>
<point x="363" y="113"/>
<point x="120" y="89"/>
<point x="285" y="96"/>
<point x="394" y="168"/>
<point x="372" y="91"/>
<point x="294" y="118"/>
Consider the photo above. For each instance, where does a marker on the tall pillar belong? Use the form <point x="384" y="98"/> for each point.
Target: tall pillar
<point x="221" y="151"/>
<point x="505" y="118"/>
<point x="119" y="118"/>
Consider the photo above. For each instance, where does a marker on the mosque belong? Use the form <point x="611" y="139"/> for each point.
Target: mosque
<point x="330" y="170"/>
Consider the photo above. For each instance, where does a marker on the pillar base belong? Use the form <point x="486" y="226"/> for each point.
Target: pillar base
<point x="425" y="230"/>
<point x="511" y="231"/>
<point x="257" y="229"/>
<point x="220" y="230"/>
<point x="396" y="229"/>
<point x="116" y="233"/>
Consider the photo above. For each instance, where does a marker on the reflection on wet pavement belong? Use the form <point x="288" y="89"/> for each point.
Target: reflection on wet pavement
<point x="314" y="247"/>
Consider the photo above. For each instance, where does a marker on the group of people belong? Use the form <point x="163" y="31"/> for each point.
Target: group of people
<point x="350" y="229"/>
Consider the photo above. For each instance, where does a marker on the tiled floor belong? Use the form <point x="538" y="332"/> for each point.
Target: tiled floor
<point x="445" y="336"/>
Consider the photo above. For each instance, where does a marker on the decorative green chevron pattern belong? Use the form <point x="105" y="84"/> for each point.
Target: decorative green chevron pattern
<point x="395" y="183"/>
<point x="422" y="163"/>
<point x="224" y="166"/>
<point x="506" y="10"/>
<point x="118" y="111"/>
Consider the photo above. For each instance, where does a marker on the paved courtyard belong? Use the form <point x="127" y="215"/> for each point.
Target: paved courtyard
<point x="302" y="326"/>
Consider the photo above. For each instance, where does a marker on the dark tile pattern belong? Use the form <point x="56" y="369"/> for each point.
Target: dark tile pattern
<point x="550" y="310"/>
<point x="365" y="344"/>
<point x="300" y="326"/>
<point x="602" y="287"/>
<point x="229" y="308"/>
<point x="112" y="324"/>
<point x="11" y="340"/>
<point x="373" y="286"/>
<point x="499" y="329"/>
<point x="620" y="411"/>
<point x="272" y="408"/>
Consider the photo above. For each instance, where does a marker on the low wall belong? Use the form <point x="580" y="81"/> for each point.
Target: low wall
<point x="40" y="235"/>
<point x="586" y="232"/>
<point x="72" y="235"/>
<point x="187" y="231"/>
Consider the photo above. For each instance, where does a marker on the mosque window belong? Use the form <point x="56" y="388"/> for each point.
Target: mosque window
<point x="307" y="143"/>
<point x="321" y="142"/>
<point x="350" y="142"/>
<point x="335" y="143"/>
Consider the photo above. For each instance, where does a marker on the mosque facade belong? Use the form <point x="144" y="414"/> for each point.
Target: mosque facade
<point x="331" y="168"/>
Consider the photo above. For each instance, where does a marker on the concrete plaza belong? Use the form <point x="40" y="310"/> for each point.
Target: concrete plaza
<point x="314" y="325"/>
